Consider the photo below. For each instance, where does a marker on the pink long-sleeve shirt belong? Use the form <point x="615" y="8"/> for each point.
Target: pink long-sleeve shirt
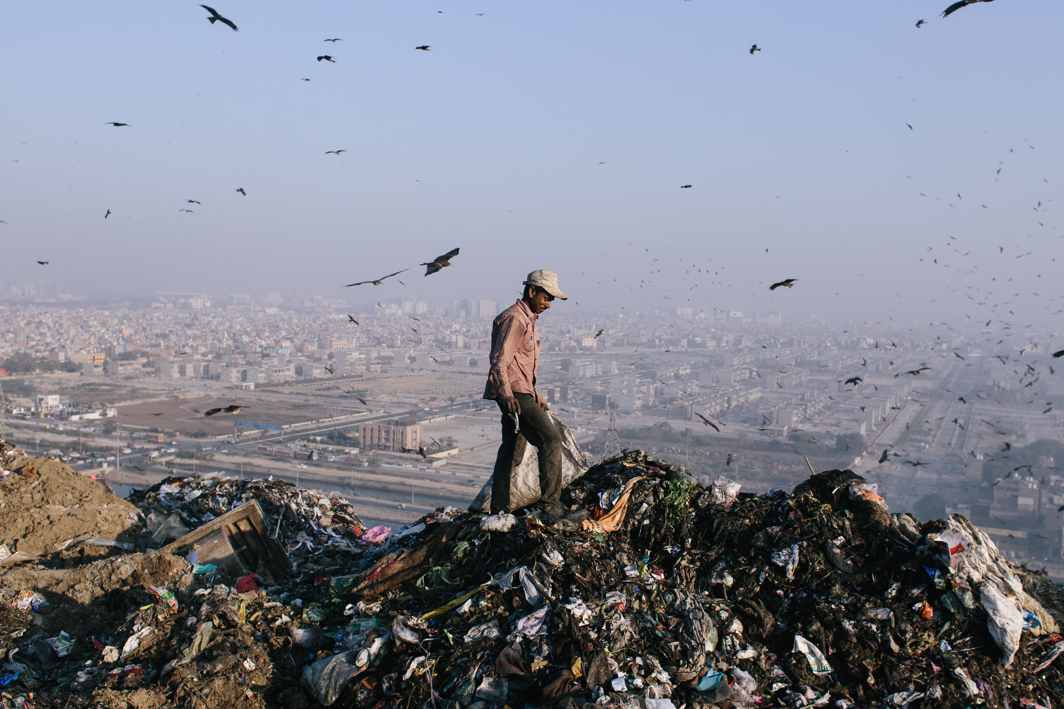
<point x="514" y="361"/>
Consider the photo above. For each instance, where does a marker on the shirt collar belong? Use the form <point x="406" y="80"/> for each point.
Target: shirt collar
<point x="527" y="310"/>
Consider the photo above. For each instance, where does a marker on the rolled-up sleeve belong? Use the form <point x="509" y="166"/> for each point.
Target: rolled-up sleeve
<point x="504" y="342"/>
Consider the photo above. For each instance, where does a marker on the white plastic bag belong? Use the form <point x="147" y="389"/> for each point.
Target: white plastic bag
<point x="524" y="474"/>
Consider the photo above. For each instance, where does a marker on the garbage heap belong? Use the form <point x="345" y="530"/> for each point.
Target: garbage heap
<point x="318" y="530"/>
<point x="672" y="594"/>
<point x="668" y="594"/>
<point x="120" y="622"/>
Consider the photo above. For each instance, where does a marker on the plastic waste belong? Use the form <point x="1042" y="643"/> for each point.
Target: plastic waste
<point x="61" y="644"/>
<point x="133" y="642"/>
<point x="377" y="535"/>
<point x="533" y="624"/>
<point x="724" y="492"/>
<point x="499" y="522"/>
<point x="1004" y="621"/>
<point x="485" y="631"/>
<point x="524" y="472"/>
<point x="817" y="662"/>
<point x="788" y="559"/>
<point x="328" y="677"/>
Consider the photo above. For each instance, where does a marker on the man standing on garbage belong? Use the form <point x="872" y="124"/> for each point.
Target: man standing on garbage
<point x="511" y="383"/>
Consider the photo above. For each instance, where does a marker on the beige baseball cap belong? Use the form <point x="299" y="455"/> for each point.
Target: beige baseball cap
<point x="548" y="281"/>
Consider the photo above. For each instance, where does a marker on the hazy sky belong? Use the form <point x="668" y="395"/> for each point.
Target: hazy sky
<point x="492" y="142"/>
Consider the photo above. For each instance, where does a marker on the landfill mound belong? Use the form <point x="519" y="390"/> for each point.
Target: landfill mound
<point x="673" y="594"/>
<point x="668" y="594"/>
<point x="45" y="504"/>
<point x="305" y="522"/>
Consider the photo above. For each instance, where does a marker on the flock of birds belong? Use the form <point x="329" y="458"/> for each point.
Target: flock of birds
<point x="214" y="16"/>
<point x="444" y="260"/>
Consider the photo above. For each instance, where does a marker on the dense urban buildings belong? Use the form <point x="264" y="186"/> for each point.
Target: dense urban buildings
<point x="389" y="410"/>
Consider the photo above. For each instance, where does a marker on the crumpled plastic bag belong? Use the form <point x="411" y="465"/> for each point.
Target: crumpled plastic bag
<point x="524" y="473"/>
<point x="533" y="588"/>
<point x="165" y="528"/>
<point x="501" y="522"/>
<point x="697" y="636"/>
<point x="818" y="663"/>
<point x="377" y="535"/>
<point x="1004" y="621"/>
<point x="973" y="558"/>
<point x="724" y="492"/>
<point x="327" y="678"/>
<point x="533" y="624"/>
<point x="788" y="559"/>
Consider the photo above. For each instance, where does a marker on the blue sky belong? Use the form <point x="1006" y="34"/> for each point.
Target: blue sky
<point x="492" y="142"/>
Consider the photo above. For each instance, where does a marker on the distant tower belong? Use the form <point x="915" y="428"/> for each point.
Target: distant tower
<point x="612" y="446"/>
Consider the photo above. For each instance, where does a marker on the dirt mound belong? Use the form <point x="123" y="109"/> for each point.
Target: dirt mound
<point x="45" y="504"/>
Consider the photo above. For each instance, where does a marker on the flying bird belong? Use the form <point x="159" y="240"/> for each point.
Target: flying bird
<point x="334" y="39"/>
<point x="853" y="380"/>
<point x="754" y="49"/>
<point x="423" y="47"/>
<point x="440" y="262"/>
<point x="107" y="214"/>
<point x="421" y="452"/>
<point x="194" y="201"/>
<point x="910" y="126"/>
<point x="117" y="124"/>
<point x="241" y="191"/>
<point x="374" y="281"/>
<point x="215" y="17"/>
<point x="326" y="58"/>
<point x="960" y="4"/>
<point x="336" y="152"/>
<point x="231" y="409"/>
<point x="686" y="187"/>
<point x="351" y="318"/>
<point x="886" y="454"/>
<point x="785" y="283"/>
<point x="599" y="333"/>
<point x="330" y="370"/>
<point x="707" y="422"/>
<point x="920" y="23"/>
<point x="1058" y="354"/>
<point x="187" y="211"/>
<point x="43" y="263"/>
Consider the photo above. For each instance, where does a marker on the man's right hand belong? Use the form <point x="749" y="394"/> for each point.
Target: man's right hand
<point x="509" y="404"/>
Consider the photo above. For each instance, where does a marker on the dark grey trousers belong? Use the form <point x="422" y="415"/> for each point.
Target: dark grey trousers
<point x="538" y="428"/>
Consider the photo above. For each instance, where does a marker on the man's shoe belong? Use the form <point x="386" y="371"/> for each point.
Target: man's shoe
<point x="554" y="518"/>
